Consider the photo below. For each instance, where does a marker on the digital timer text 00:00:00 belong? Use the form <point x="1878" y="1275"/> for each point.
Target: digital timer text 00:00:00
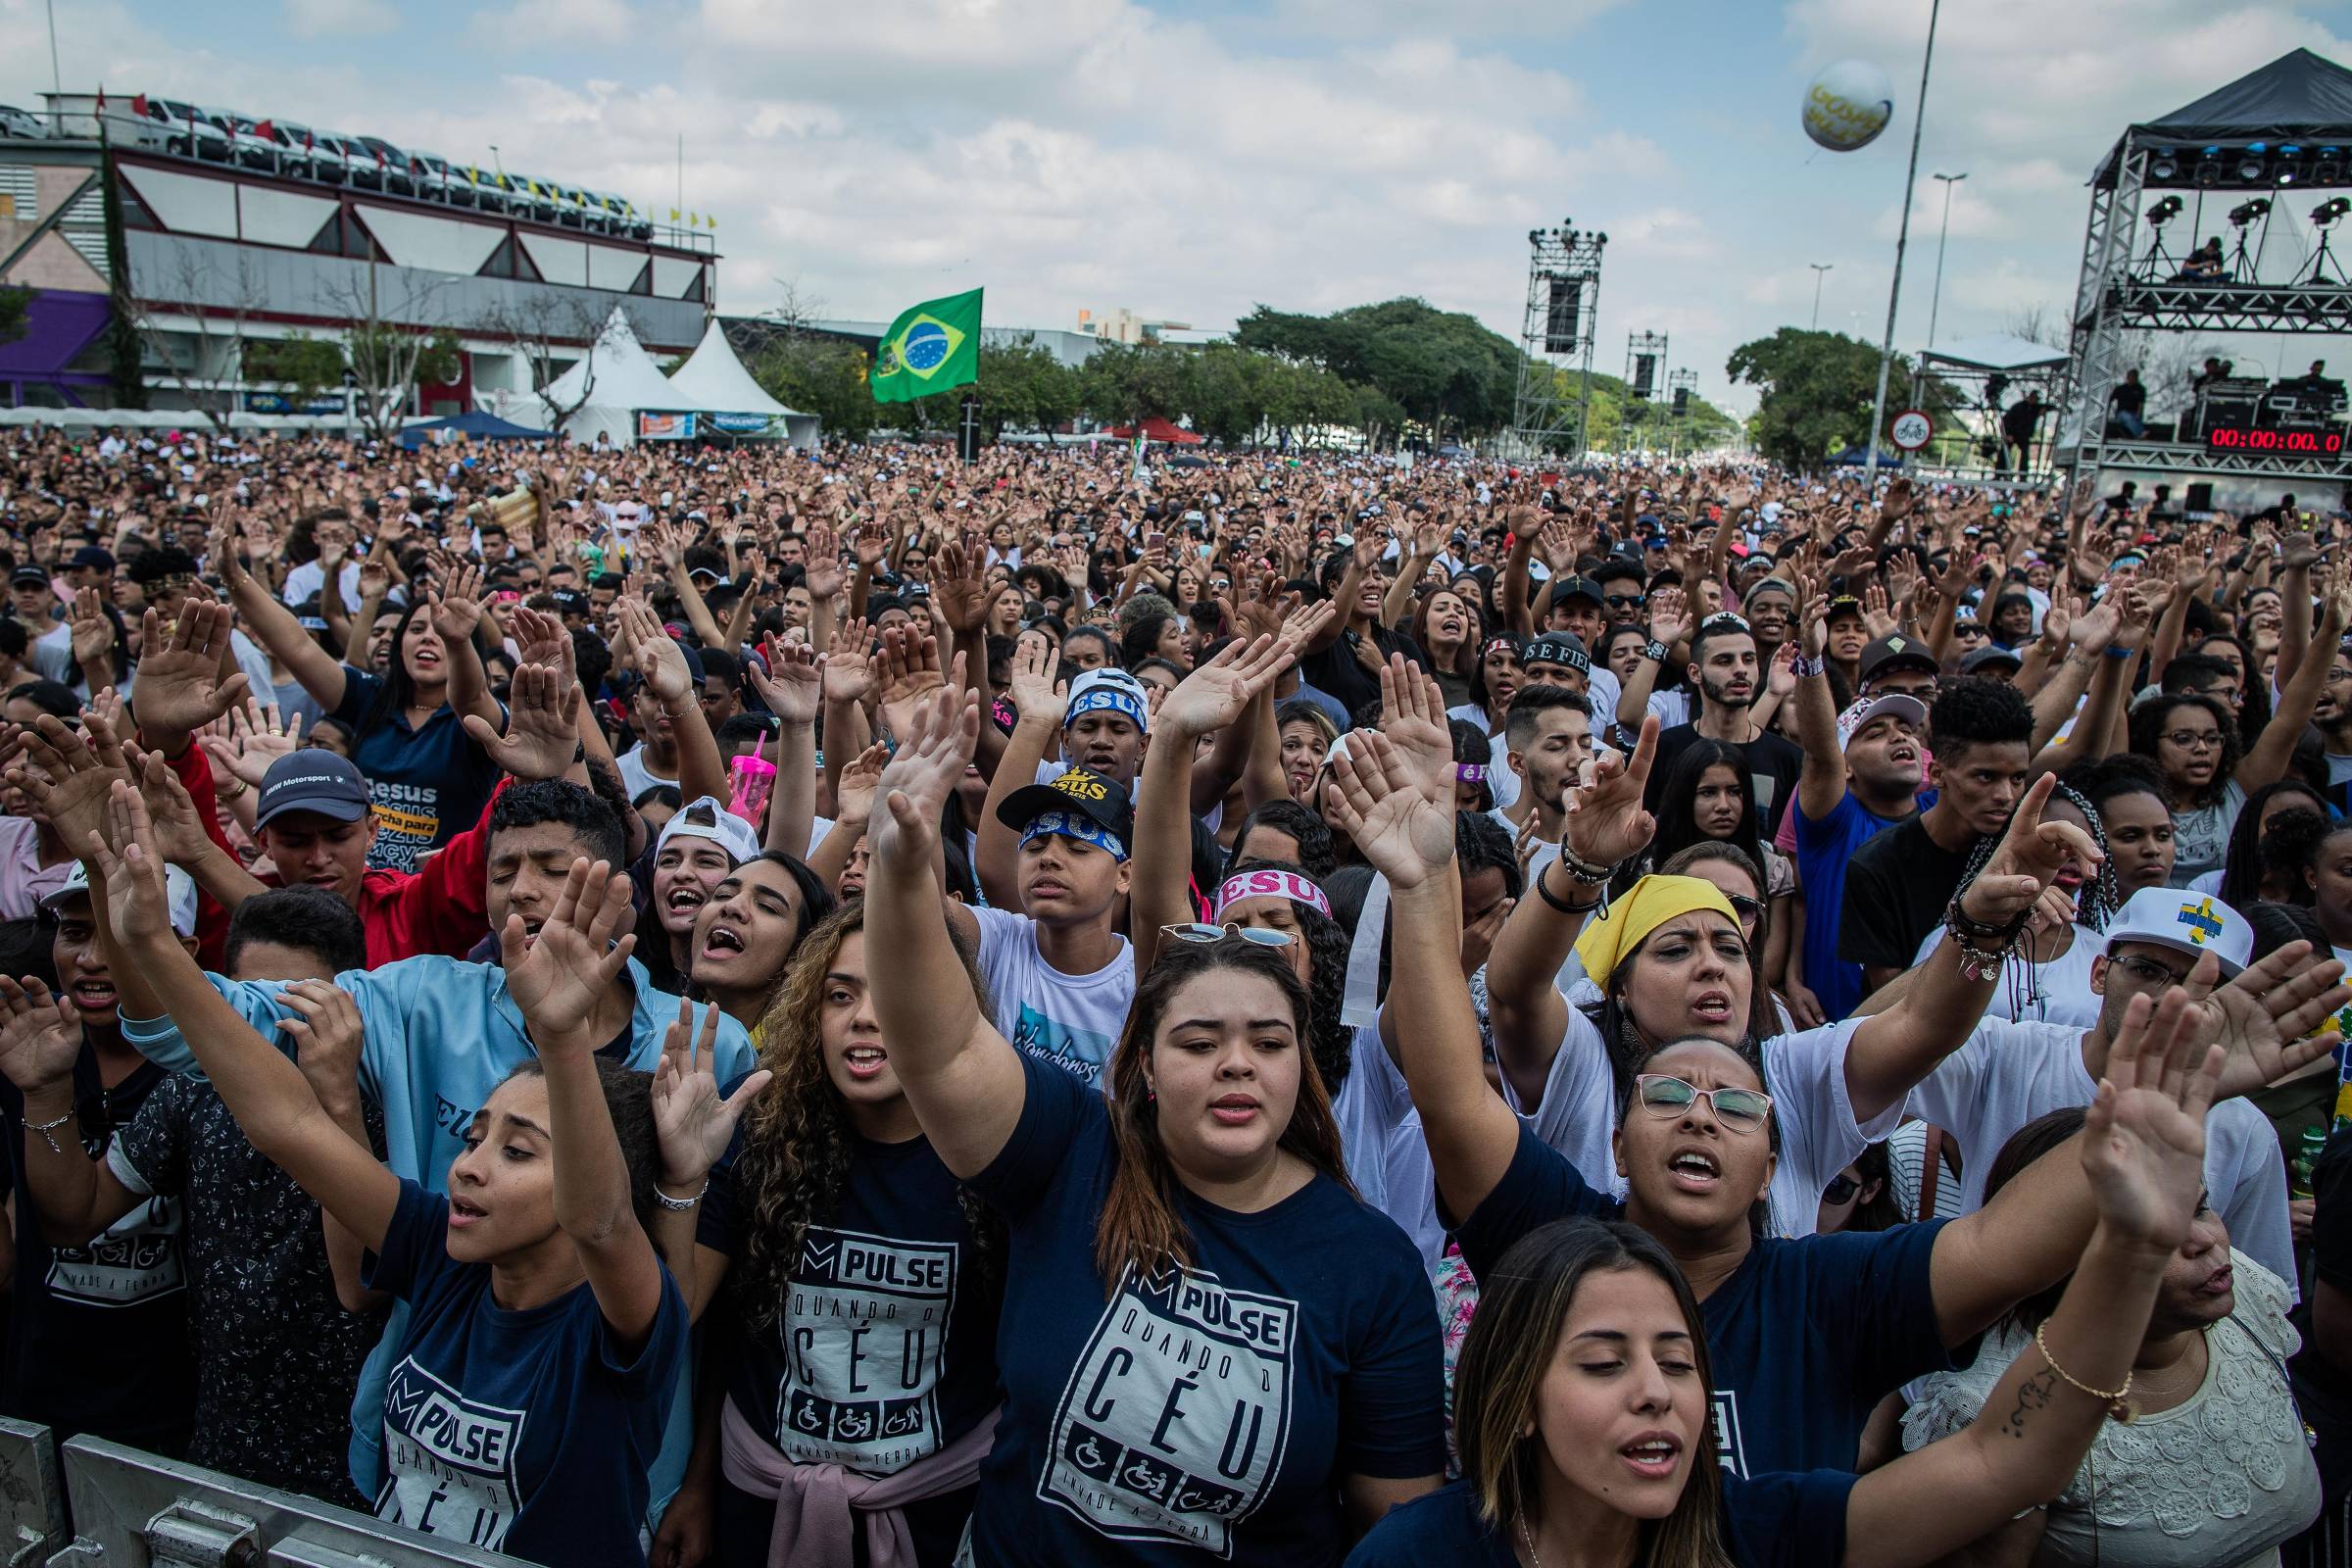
<point x="2238" y="438"/>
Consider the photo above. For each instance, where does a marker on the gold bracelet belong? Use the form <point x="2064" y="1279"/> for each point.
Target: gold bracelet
<point x="2117" y="1409"/>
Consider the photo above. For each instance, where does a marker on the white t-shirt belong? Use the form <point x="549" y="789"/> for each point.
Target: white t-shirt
<point x="1804" y="1073"/>
<point x="1380" y="1137"/>
<point x="637" y="775"/>
<point x="2008" y="1073"/>
<point x="1071" y="1020"/>
<point x="305" y="580"/>
<point x="2056" y="992"/>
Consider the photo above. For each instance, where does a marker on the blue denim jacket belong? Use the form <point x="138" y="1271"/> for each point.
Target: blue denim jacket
<point x="440" y="1034"/>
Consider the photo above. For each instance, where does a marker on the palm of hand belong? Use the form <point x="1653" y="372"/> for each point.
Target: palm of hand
<point x="795" y="693"/>
<point x="848" y="677"/>
<point x="2149" y="1168"/>
<point x="176" y="690"/>
<point x="1406" y="836"/>
<point x="686" y="1115"/>
<point x="38" y="1046"/>
<point x="1207" y="700"/>
<point x="556" y="984"/>
<point x="661" y="667"/>
<point x="1427" y="750"/>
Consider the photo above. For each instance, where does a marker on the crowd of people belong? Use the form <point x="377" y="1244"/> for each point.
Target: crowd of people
<point x="751" y="1006"/>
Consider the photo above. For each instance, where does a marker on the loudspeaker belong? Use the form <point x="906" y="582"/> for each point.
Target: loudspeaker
<point x="2199" y="496"/>
<point x="1559" y="319"/>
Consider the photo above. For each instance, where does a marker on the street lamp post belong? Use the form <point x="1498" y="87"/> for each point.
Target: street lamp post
<point x="1819" y="268"/>
<point x="1936" y="299"/>
<point x="1903" y="234"/>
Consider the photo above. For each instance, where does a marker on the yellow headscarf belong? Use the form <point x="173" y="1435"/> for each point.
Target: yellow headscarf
<point x="1648" y="905"/>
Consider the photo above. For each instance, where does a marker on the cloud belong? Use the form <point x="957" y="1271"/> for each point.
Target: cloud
<point x="528" y="26"/>
<point x="339" y="18"/>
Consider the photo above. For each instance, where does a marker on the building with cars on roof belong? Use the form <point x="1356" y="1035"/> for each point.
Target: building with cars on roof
<point x="163" y="241"/>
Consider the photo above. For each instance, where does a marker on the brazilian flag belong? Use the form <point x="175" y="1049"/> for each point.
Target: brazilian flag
<point x="929" y="348"/>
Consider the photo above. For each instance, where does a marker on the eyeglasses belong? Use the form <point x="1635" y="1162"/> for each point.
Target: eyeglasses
<point x="1625" y="601"/>
<point x="1840" y="1190"/>
<point x="2148" y="971"/>
<point x="1745" y="908"/>
<point x="1743" y="1111"/>
<point x="2196" y="740"/>
<point x="1201" y="931"/>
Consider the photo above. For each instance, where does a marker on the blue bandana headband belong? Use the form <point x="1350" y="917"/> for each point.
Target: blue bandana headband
<point x="1106" y="698"/>
<point x="1075" y="825"/>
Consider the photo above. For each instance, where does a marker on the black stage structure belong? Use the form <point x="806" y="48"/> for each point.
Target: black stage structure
<point x="2266" y="140"/>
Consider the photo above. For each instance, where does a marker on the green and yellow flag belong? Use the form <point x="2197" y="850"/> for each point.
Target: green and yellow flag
<point x="930" y="348"/>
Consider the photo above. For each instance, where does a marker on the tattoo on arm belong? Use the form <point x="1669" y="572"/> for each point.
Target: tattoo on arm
<point x="2033" y="1395"/>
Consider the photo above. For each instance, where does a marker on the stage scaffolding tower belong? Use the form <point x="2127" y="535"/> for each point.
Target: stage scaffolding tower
<point x="1681" y="387"/>
<point x="1644" y="374"/>
<point x="1555" y="341"/>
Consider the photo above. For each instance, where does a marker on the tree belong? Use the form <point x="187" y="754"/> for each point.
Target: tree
<point x="552" y="332"/>
<point x="1439" y="368"/>
<point x="1818" y="388"/>
<point x="1124" y="383"/>
<point x="307" y="368"/>
<point x="204" y="359"/>
<point x="15" y="304"/>
<point x="813" y="373"/>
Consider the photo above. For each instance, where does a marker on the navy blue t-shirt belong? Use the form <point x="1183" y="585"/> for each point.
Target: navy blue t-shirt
<point x="1775" y="1521"/>
<point x="427" y="785"/>
<point x="885" y="1349"/>
<point x="1823" y="851"/>
<point x="525" y="1432"/>
<point x="1212" y="1411"/>
<point x="1805" y="1337"/>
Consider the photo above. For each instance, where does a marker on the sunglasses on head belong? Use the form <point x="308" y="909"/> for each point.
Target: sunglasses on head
<point x="1202" y="932"/>
<point x="1745" y="908"/>
<point x="1842" y="1190"/>
<point x="1743" y="1111"/>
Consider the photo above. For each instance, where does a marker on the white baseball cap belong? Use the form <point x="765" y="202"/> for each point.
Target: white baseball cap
<point x="720" y="825"/>
<point x="1862" y="709"/>
<point x="2194" y="923"/>
<point x="177" y="883"/>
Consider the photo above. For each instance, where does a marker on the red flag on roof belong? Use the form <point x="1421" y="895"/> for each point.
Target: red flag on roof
<point x="307" y="143"/>
<point x="379" y="156"/>
<point x="138" y="105"/>
<point x="265" y="130"/>
<point x="102" y="98"/>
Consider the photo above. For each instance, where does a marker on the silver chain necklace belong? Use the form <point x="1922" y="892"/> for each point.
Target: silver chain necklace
<point x="1529" y="1542"/>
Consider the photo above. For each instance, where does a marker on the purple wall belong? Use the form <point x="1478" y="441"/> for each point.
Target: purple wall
<point x="60" y="328"/>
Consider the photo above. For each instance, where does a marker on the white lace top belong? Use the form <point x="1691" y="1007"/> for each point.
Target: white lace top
<point x="2215" y="1482"/>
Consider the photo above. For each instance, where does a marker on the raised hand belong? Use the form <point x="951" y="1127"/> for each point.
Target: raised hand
<point x="556" y="976"/>
<point x="325" y="1022"/>
<point x="849" y="667"/>
<point x="93" y="631"/>
<point x="910" y="673"/>
<point x="1669" y="616"/>
<point x="179" y="835"/>
<point x="67" y="779"/>
<point x="692" y="1123"/>
<point x="854" y="793"/>
<point x="2272" y="1018"/>
<point x="2029" y="855"/>
<point x="138" y="901"/>
<point x="652" y="655"/>
<point x="1412" y="715"/>
<point x="1605" y="824"/>
<point x="822" y="565"/>
<point x="457" y="600"/>
<point x="539" y="638"/>
<point x="255" y="740"/>
<point x="187" y="674"/>
<point x="942" y="731"/>
<point x="40" y="1037"/>
<point x="542" y="735"/>
<point x="793" y="685"/>
<point x="1216" y="693"/>
<point x="1374" y="798"/>
<point x="2144" y="1142"/>
<point x="958" y="589"/>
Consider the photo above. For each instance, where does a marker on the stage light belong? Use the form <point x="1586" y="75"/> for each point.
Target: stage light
<point x="2245" y="213"/>
<point x="2209" y="166"/>
<point x="2164" y="165"/>
<point x="2327" y="211"/>
<point x="2253" y="163"/>
<point x="2163" y="212"/>
<point x="2327" y="169"/>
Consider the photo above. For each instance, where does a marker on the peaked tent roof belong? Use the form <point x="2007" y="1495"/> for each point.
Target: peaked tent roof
<point x="483" y="423"/>
<point x="1995" y="350"/>
<point x="714" y="379"/>
<point x="1157" y="428"/>
<point x="2298" y="94"/>
<point x="620" y="375"/>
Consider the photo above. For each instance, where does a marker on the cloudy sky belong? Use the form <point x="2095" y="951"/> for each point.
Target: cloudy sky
<point x="1188" y="161"/>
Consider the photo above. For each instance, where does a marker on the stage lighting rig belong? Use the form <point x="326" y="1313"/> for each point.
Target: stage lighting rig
<point x="2209" y="166"/>
<point x="2327" y="211"/>
<point x="2164" y="165"/>
<point x="2328" y="168"/>
<point x="2245" y="213"/>
<point x="2163" y="212"/>
<point x="2252" y="162"/>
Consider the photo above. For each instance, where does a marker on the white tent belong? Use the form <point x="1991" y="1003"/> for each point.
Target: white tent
<point x="614" y="385"/>
<point x="715" y="379"/>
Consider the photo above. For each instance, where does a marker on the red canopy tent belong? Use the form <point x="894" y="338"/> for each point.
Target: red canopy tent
<point x="1157" y="428"/>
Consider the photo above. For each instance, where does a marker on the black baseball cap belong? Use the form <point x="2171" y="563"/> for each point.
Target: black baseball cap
<point x="1897" y="652"/>
<point x="1101" y="801"/>
<point x="570" y="602"/>
<point x="1558" y="647"/>
<point x="1577" y="588"/>
<point x="28" y="576"/>
<point x="313" y="780"/>
<point x="1844" y="605"/>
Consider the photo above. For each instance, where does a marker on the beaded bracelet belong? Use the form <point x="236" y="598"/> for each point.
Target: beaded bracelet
<point x="2117" y="1409"/>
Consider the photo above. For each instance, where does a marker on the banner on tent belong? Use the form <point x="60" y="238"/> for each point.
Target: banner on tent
<point x="666" y="427"/>
<point x="743" y="423"/>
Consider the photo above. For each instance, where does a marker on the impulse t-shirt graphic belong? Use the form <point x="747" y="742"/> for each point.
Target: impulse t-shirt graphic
<point x="1206" y="1413"/>
<point x="866" y="1340"/>
<point x="449" y="1462"/>
<point x="1177" y="1411"/>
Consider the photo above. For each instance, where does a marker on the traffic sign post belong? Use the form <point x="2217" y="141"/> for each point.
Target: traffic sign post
<point x="1911" y="429"/>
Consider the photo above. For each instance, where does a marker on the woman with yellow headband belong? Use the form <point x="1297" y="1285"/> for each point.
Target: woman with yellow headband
<point x="1807" y="1335"/>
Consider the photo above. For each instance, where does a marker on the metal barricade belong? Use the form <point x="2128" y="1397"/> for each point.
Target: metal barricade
<point x="106" y="1506"/>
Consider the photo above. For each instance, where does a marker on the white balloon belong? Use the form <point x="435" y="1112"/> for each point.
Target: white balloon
<point x="1847" y="104"/>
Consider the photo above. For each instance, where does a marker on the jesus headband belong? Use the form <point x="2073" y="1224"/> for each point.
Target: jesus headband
<point x="1076" y="825"/>
<point x="1271" y="884"/>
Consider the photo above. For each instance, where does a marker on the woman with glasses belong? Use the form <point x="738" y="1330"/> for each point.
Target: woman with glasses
<point x="2207" y="774"/>
<point x="1222" y="1352"/>
<point x="1808" y="1334"/>
<point x="1708" y="799"/>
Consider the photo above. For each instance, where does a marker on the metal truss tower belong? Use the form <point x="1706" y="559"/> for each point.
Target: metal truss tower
<point x="1556" y="342"/>
<point x="1644" y="374"/>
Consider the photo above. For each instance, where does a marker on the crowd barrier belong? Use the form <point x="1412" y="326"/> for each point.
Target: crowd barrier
<point x="99" y="1504"/>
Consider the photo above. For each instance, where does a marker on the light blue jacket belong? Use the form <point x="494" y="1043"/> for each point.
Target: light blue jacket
<point x="440" y="1035"/>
